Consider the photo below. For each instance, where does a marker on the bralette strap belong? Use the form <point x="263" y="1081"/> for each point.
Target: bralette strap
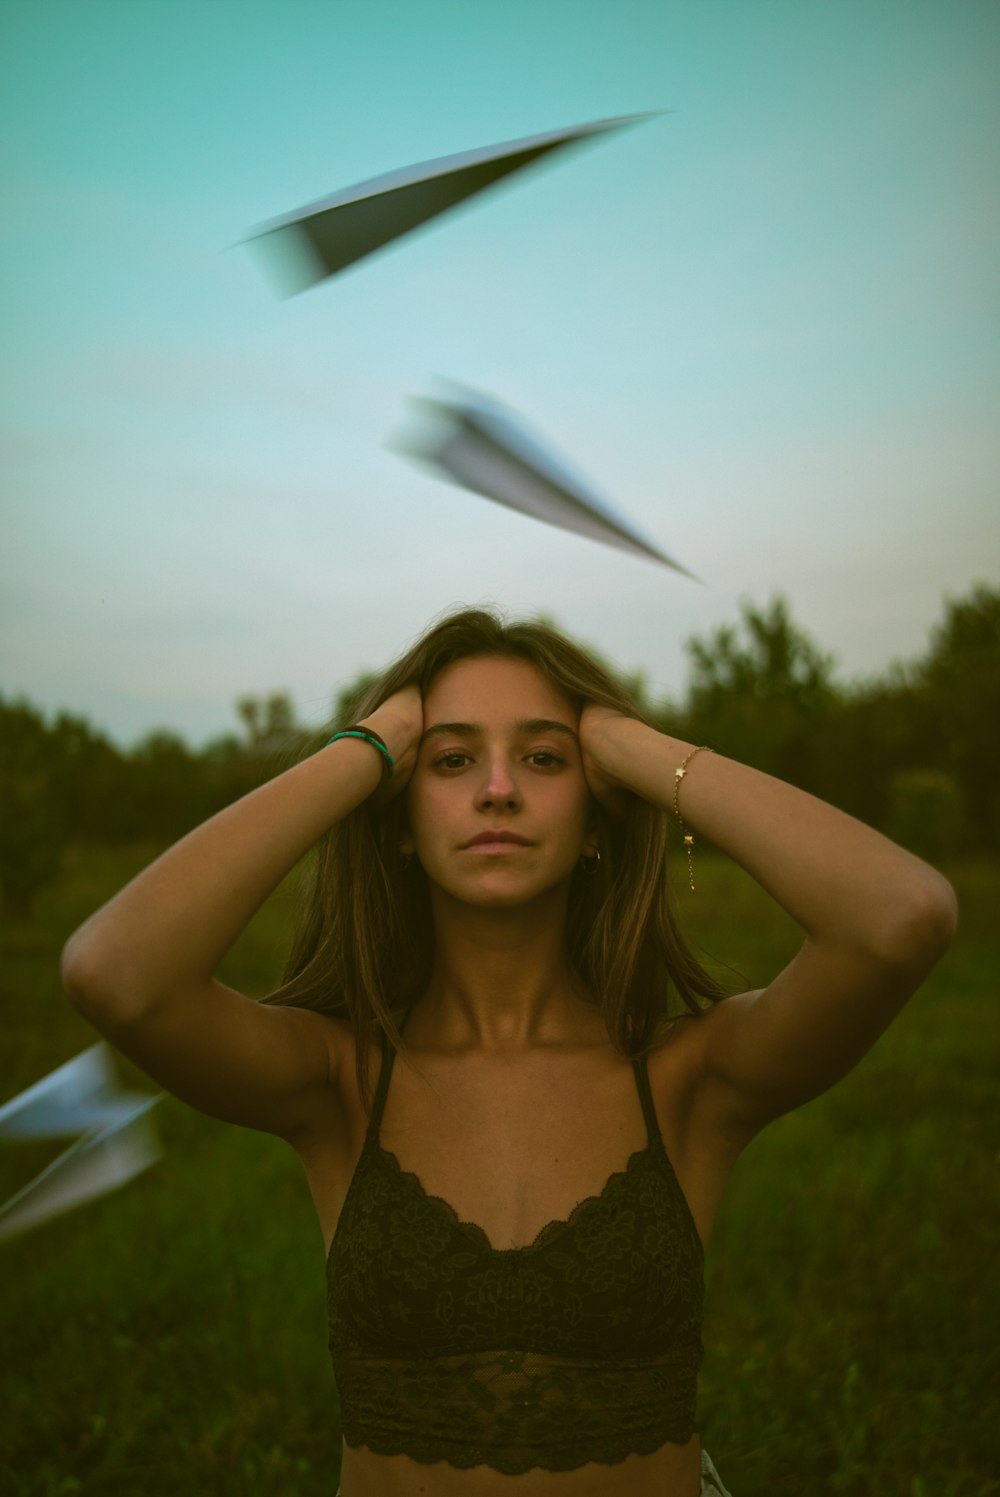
<point x="646" y="1097"/>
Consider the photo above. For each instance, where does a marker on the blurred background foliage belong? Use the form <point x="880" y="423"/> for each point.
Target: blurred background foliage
<point x="170" y="1336"/>
<point x="912" y="752"/>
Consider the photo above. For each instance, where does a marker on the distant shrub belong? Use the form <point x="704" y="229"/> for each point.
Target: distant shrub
<point x="32" y="829"/>
<point x="926" y="811"/>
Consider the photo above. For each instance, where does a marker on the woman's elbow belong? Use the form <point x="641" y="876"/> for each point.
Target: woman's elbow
<point x="83" y="978"/>
<point x="924" y="924"/>
<point x="94" y="980"/>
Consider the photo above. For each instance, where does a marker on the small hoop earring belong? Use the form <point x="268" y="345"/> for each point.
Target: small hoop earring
<point x="405" y="859"/>
<point x="590" y="864"/>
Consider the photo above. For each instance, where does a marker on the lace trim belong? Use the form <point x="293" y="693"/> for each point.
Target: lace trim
<point x="546" y="1234"/>
<point x="430" y="1452"/>
<point x="516" y="1411"/>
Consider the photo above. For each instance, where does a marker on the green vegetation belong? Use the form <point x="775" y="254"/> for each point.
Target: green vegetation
<point x="913" y="753"/>
<point x="171" y="1337"/>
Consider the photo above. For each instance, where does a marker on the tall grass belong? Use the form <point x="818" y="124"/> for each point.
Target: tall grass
<point x="170" y="1338"/>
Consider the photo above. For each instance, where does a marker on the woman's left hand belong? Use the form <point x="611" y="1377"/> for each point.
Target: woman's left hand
<point x="595" y="725"/>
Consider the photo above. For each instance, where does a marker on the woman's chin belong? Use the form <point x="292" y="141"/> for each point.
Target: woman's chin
<point x="502" y="888"/>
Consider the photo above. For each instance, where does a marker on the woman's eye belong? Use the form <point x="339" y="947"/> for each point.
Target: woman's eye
<point x="545" y="758"/>
<point x="453" y="759"/>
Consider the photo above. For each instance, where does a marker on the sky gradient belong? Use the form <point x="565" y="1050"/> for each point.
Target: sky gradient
<point x="766" y="325"/>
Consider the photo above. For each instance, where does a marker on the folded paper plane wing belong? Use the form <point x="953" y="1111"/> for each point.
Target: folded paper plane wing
<point x="479" y="444"/>
<point x="117" y="1138"/>
<point x="84" y="1093"/>
<point x="326" y="236"/>
<point x="99" y="1162"/>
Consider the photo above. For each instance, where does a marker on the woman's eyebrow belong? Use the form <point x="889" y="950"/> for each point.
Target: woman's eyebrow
<point x="523" y="725"/>
<point x="545" y="725"/>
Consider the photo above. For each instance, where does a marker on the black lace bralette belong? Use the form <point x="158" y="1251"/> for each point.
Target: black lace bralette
<point x="583" y="1345"/>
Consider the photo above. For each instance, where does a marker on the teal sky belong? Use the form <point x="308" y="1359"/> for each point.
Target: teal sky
<point x="766" y="325"/>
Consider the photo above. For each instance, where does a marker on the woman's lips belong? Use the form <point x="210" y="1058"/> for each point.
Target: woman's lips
<point x="496" y="841"/>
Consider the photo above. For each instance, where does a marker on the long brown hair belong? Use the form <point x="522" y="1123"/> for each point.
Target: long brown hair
<point x="365" y="946"/>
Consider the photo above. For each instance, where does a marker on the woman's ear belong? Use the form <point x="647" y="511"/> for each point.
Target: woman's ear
<point x="592" y="831"/>
<point x="591" y="839"/>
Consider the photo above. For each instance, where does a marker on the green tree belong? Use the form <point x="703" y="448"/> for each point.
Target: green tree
<point x="269" y="721"/>
<point x="879" y="732"/>
<point x="274" y="737"/>
<point x="32" y="826"/>
<point x="960" y="682"/>
<point x="164" y="787"/>
<point x="89" y="775"/>
<point x="760" y="693"/>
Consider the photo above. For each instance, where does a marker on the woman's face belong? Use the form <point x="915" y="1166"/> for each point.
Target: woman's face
<point x="498" y="807"/>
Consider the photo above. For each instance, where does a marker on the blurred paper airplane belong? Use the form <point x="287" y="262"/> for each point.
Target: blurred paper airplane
<point x="477" y="443"/>
<point x="326" y="236"/>
<point x="117" y="1138"/>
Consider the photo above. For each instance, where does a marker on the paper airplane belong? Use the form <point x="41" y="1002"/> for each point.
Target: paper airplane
<point x="479" y="444"/>
<point x="319" y="240"/>
<point x="118" y="1140"/>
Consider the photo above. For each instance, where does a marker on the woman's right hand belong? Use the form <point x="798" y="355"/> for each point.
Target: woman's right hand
<point x="399" y="721"/>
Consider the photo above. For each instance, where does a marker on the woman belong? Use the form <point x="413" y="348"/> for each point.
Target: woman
<point x="516" y="1225"/>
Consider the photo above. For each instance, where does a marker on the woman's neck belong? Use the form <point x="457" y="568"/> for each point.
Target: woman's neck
<point x="502" y="980"/>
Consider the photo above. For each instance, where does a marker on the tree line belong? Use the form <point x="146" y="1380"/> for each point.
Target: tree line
<point x="913" y="752"/>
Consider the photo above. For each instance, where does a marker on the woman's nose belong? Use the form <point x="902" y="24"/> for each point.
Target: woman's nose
<point x="499" y="786"/>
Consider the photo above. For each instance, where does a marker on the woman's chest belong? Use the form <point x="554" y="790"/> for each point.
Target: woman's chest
<point x="509" y="1150"/>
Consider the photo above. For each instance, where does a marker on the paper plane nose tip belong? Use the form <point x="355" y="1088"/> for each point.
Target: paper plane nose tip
<point x="484" y="447"/>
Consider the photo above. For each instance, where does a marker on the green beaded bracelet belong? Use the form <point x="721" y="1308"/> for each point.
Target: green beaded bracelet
<point x="367" y="736"/>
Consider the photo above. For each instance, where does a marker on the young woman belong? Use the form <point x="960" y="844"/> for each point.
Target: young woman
<point x="516" y="1224"/>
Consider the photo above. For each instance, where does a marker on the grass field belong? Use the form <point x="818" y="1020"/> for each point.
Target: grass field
<point x="171" y="1337"/>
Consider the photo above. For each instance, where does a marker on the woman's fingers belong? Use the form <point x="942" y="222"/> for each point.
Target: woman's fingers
<point x="399" y="722"/>
<point x="606" y="790"/>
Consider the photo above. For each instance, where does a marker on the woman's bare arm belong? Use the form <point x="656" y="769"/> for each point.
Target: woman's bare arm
<point x="876" y="918"/>
<point x="141" y="968"/>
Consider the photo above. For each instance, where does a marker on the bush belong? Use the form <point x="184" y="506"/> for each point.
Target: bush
<point x="926" y="812"/>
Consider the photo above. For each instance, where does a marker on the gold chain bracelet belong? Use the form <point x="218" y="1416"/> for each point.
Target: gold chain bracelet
<point x="679" y="774"/>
